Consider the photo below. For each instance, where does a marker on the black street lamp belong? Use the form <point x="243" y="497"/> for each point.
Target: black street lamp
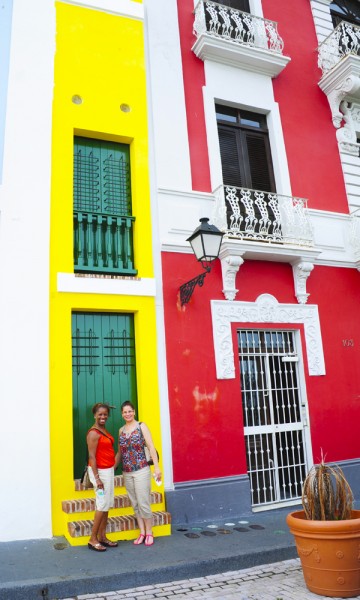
<point x="205" y="242"/>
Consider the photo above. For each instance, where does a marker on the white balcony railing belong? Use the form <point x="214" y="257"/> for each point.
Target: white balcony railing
<point x="239" y="27"/>
<point x="344" y="40"/>
<point x="253" y="215"/>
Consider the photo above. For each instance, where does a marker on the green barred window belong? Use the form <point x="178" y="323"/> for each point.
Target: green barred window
<point x="103" y="221"/>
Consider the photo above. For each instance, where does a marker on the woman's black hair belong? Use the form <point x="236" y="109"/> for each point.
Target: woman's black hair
<point x="127" y="403"/>
<point x="98" y="405"/>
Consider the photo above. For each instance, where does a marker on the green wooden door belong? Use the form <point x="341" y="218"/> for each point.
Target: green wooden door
<point x="103" y="351"/>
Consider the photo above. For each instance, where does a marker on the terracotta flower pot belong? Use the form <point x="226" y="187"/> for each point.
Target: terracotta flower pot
<point x="329" y="552"/>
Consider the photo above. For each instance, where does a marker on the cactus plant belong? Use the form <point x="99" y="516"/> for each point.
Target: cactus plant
<point x="327" y="495"/>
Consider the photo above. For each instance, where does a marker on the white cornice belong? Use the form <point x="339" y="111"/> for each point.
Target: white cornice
<point x="125" y="8"/>
<point x="249" y="58"/>
<point x="190" y="195"/>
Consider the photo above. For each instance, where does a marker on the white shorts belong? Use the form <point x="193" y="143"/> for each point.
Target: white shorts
<point x="105" y="497"/>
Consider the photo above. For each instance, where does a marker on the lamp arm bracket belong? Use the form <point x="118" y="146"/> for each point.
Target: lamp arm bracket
<point x="186" y="290"/>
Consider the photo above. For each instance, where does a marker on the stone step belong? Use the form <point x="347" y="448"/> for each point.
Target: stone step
<point x="88" y="504"/>
<point x="79" y="529"/>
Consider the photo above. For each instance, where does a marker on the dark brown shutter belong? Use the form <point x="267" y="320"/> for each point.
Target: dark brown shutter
<point x="239" y="4"/>
<point x="259" y="162"/>
<point x="230" y="159"/>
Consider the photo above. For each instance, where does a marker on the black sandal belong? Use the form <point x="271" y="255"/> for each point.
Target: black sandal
<point x="109" y="543"/>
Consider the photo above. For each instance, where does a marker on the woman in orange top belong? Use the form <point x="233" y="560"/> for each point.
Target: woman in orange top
<point x="101" y="473"/>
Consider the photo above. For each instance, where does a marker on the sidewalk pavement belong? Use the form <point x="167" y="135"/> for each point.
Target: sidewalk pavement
<point x="51" y="569"/>
<point x="282" y="580"/>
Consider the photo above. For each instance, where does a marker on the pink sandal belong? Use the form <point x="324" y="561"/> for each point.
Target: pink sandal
<point x="139" y="540"/>
<point x="148" y="541"/>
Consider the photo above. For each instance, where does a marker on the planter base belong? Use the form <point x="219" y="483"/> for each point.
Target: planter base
<point x="330" y="554"/>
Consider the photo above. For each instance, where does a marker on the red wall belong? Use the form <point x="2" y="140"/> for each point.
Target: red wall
<point x="310" y="138"/>
<point x="194" y="80"/>
<point x="206" y="414"/>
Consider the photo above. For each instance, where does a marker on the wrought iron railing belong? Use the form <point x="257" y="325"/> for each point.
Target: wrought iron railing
<point x="254" y="215"/>
<point x="103" y="243"/>
<point x="241" y="28"/>
<point x="344" y="40"/>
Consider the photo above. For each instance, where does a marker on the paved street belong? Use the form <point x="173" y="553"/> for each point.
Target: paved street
<point x="277" y="581"/>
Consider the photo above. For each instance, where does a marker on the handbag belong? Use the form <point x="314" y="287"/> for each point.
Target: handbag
<point x="149" y="460"/>
<point x="85" y="479"/>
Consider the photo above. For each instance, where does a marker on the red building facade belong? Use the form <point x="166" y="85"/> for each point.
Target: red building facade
<point x="262" y="363"/>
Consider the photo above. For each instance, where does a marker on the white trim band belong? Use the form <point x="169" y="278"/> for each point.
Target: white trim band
<point x="68" y="282"/>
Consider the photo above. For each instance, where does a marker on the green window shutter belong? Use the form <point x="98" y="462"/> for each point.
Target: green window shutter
<point x="115" y="179"/>
<point x="86" y="176"/>
<point x="101" y="177"/>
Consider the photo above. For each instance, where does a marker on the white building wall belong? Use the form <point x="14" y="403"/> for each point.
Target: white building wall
<point x="166" y="88"/>
<point x="24" y="275"/>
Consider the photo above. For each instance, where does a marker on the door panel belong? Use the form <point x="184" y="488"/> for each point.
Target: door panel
<point x="103" y="347"/>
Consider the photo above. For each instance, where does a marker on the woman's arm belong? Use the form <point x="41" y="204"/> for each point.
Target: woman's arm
<point x="150" y="444"/>
<point x="92" y="442"/>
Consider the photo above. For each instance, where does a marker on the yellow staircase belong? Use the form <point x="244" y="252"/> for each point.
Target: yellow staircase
<point x="79" y="512"/>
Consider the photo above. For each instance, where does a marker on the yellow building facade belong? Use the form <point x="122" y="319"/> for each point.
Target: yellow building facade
<point x="99" y="98"/>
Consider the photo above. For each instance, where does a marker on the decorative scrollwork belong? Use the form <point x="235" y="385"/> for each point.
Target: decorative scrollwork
<point x="344" y="40"/>
<point x="186" y="290"/>
<point x="263" y="216"/>
<point x="266" y="309"/>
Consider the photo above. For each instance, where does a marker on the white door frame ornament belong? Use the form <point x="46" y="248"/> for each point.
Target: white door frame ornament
<point x="266" y="309"/>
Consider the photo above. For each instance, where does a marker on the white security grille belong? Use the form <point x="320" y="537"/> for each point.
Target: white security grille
<point x="273" y="415"/>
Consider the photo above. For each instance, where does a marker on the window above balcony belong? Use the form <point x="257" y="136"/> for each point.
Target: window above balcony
<point x="233" y="37"/>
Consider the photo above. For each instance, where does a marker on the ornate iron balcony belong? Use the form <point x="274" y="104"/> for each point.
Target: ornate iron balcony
<point x="344" y="40"/>
<point x="239" y="27"/>
<point x="103" y="243"/>
<point x="252" y="215"/>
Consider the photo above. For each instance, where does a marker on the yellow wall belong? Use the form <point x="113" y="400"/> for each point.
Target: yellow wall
<point x="99" y="57"/>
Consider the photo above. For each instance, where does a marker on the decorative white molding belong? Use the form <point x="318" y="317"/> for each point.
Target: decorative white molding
<point x="355" y="237"/>
<point x="343" y="81"/>
<point x="231" y="261"/>
<point x="68" y="282"/>
<point x="266" y="309"/>
<point x="224" y="51"/>
<point x="347" y="133"/>
<point x="349" y="148"/>
<point x="301" y="272"/>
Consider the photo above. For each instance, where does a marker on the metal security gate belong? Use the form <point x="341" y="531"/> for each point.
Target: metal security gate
<point x="274" y="416"/>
